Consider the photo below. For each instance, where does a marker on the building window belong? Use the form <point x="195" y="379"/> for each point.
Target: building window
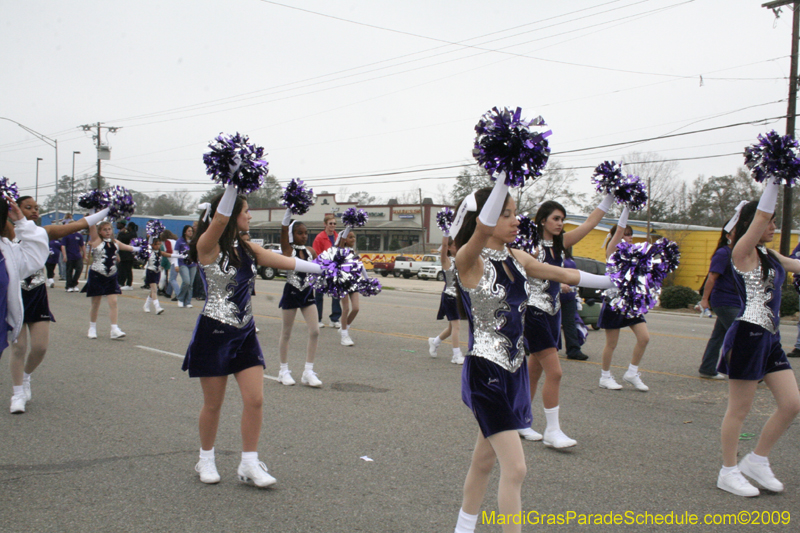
<point x="397" y="241"/>
<point x="368" y="242"/>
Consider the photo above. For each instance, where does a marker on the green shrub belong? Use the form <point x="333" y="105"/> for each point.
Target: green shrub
<point x="678" y="297"/>
<point x="789" y="300"/>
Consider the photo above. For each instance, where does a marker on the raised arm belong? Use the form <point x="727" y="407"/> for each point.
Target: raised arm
<point x="744" y="252"/>
<point x="286" y="247"/>
<point x="571" y="238"/>
<point x="208" y="242"/>
<point x="619" y="234"/>
<point x="468" y="256"/>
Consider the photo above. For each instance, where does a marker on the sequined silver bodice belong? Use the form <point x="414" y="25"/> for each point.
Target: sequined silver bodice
<point x="222" y="281"/>
<point x="450" y="279"/>
<point x="152" y="261"/>
<point x="37" y="280"/>
<point x="759" y="294"/>
<point x="99" y="260"/>
<point x="539" y="297"/>
<point x="292" y="277"/>
<point x="489" y="311"/>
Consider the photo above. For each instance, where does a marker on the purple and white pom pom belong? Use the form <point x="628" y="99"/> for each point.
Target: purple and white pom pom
<point x="8" y="188"/>
<point x="297" y="197"/>
<point x="631" y="191"/>
<point x="505" y="143"/>
<point x="354" y="218"/>
<point x="774" y="156"/>
<point x="252" y="171"/>
<point x="154" y="228"/>
<point x="341" y="272"/>
<point x="607" y="176"/>
<point x="369" y="287"/>
<point x="444" y="219"/>
<point x="95" y="199"/>
<point x="527" y="234"/>
<point x="120" y="203"/>
<point x="638" y="271"/>
<point x="145" y="249"/>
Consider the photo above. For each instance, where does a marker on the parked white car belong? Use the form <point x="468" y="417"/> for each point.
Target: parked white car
<point x="411" y="268"/>
<point x="432" y="271"/>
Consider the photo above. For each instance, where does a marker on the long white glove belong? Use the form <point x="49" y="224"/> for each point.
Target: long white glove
<point x="225" y="206"/>
<point x="491" y="210"/>
<point x="769" y="197"/>
<point x="594" y="281"/>
<point x="94" y="218"/>
<point x="301" y="265"/>
<point x="605" y="205"/>
<point x="623" y="218"/>
<point x="287" y="217"/>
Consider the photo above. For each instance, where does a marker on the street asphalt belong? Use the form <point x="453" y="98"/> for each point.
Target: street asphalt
<point x="109" y="441"/>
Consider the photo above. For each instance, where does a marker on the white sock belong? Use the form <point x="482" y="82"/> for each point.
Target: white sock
<point x="551" y="415"/>
<point x="93" y="325"/>
<point x="605" y="373"/>
<point x="759" y="459"/>
<point x="249" y="457"/>
<point x="456" y="351"/>
<point x="114" y="326"/>
<point x="148" y="300"/>
<point x="725" y="470"/>
<point x="27" y="377"/>
<point x="309" y="367"/>
<point x="343" y="331"/>
<point x="466" y="522"/>
<point x="632" y="370"/>
<point x="284" y="367"/>
<point x="207" y="454"/>
<point x="437" y="341"/>
<point x="17" y="390"/>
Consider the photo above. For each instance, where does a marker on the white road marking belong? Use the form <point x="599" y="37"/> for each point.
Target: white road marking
<point x="161" y="351"/>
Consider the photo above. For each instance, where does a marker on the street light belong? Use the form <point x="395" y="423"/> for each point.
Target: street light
<point x="72" y="186"/>
<point x="36" y="194"/>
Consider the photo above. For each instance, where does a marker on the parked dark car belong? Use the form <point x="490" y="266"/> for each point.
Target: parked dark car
<point x="384" y="268"/>
<point x="592" y="298"/>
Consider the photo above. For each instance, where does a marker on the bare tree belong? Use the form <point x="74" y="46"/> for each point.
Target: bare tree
<point x="662" y="179"/>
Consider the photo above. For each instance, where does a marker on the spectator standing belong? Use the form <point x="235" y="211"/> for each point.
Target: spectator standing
<point x="322" y="242"/>
<point x="72" y="250"/>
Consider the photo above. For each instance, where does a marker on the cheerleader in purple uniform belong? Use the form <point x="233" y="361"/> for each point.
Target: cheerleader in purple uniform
<point x="492" y="281"/>
<point x="448" y="307"/>
<point x="543" y="318"/>
<point x="151" y="276"/>
<point x="19" y="260"/>
<point x="297" y="294"/>
<point x="37" y="308"/>
<point x="752" y="352"/>
<point x="224" y="340"/>
<point x="103" y="276"/>
<point x="349" y="303"/>
<point x="612" y="322"/>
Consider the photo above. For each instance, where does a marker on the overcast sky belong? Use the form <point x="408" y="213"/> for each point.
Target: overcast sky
<point x="350" y="88"/>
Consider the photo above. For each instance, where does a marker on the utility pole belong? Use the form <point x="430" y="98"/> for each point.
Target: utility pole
<point x="103" y="151"/>
<point x="786" y="223"/>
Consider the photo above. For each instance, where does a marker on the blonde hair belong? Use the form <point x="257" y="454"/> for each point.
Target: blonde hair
<point x="103" y="224"/>
<point x="327" y="218"/>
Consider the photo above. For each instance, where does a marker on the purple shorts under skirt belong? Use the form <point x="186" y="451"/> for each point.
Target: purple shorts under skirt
<point x="100" y="285"/>
<point x="37" y="308"/>
<point x="218" y="349"/>
<point x="448" y="308"/>
<point x="542" y="330"/>
<point x="294" y="299"/>
<point x="500" y="400"/>
<point x="151" y="276"/>
<point x="750" y="352"/>
<point x="610" y="319"/>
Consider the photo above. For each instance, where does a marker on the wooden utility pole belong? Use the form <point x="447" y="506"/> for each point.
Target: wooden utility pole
<point x="97" y="137"/>
<point x="786" y="223"/>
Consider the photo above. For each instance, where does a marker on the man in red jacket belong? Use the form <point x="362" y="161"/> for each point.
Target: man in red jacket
<point x="322" y="242"/>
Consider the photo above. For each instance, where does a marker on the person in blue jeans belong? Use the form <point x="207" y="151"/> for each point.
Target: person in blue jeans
<point x="719" y="295"/>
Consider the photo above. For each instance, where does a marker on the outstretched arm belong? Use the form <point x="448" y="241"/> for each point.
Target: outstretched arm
<point x="572" y="237"/>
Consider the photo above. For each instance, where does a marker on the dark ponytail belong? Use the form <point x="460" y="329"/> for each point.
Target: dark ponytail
<point x="745" y="219"/>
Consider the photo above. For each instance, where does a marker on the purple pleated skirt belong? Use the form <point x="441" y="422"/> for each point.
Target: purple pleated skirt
<point x="218" y="349"/>
<point x="542" y="330"/>
<point x="100" y="285"/>
<point x="610" y="319"/>
<point x="448" y="308"/>
<point x="294" y="299"/>
<point x="499" y="399"/>
<point x="750" y="352"/>
<point x="36" y="305"/>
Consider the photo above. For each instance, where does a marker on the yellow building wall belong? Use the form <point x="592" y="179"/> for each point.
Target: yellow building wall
<point x="696" y="246"/>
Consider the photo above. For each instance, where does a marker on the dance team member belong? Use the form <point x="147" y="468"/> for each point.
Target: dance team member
<point x="297" y="294"/>
<point x="752" y="352"/>
<point x="492" y="280"/>
<point x="448" y="306"/>
<point x="543" y="318"/>
<point x="102" y="280"/>
<point x="612" y="322"/>
<point x="224" y="341"/>
<point x="37" y="314"/>
<point x="349" y="303"/>
<point x="719" y="295"/>
<point x="19" y="260"/>
<point x="151" y="276"/>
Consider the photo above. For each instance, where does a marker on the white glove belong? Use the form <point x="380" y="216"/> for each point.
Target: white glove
<point x="287" y="217"/>
<point x="605" y="205"/>
<point x="94" y="218"/>
<point x="593" y="281"/>
<point x="490" y="212"/>
<point x="136" y="248"/>
<point x="225" y="206"/>
<point x="307" y="266"/>
<point x="623" y="218"/>
<point x="769" y="197"/>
